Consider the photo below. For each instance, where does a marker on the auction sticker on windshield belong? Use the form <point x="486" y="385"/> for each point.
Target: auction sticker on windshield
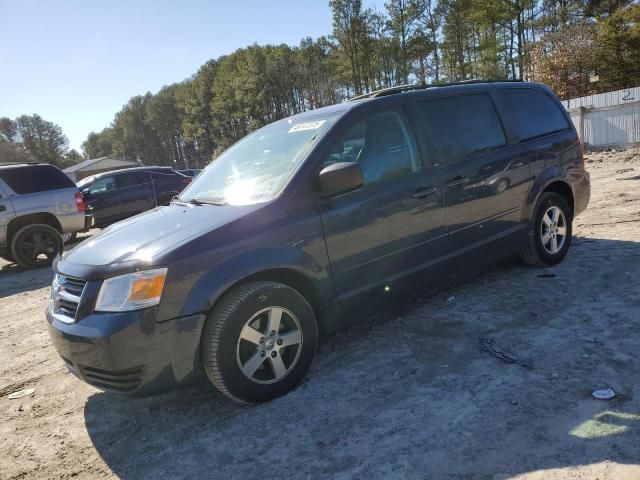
<point x="306" y="126"/>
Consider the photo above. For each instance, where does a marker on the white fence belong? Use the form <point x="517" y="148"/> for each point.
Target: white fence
<point x="607" y="119"/>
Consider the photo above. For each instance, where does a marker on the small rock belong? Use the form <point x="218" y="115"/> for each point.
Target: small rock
<point x="555" y="375"/>
<point x="451" y="299"/>
<point x="22" y="393"/>
<point x="514" y="402"/>
<point x="588" y="339"/>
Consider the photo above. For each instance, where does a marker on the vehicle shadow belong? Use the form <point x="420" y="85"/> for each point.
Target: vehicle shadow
<point x="412" y="395"/>
<point x="14" y="279"/>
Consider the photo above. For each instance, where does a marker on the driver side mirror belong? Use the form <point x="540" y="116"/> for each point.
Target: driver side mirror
<point x="341" y="177"/>
<point x="85" y="191"/>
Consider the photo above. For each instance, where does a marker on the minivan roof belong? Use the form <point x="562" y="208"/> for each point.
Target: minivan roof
<point x="353" y="102"/>
<point x="418" y="87"/>
<point x="5" y="166"/>
<point x="123" y="170"/>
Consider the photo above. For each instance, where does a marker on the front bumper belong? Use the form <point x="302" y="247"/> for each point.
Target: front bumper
<point x="129" y="352"/>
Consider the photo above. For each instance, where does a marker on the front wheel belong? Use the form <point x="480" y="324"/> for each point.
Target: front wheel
<point x="259" y="341"/>
<point x="550" y="232"/>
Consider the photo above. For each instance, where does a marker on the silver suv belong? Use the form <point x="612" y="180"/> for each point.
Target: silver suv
<point x="38" y="204"/>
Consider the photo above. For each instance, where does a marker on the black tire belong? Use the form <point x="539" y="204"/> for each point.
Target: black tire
<point x="36" y="245"/>
<point x="222" y="349"/>
<point x="536" y="253"/>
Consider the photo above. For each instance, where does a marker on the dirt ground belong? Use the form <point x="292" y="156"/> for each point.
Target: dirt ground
<point x="407" y="397"/>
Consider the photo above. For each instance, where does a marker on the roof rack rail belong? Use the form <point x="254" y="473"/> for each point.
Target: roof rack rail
<point x="417" y="86"/>
<point x="26" y="162"/>
<point x="388" y="91"/>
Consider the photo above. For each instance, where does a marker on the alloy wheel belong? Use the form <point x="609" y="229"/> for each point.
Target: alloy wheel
<point x="39" y="247"/>
<point x="269" y="345"/>
<point x="553" y="230"/>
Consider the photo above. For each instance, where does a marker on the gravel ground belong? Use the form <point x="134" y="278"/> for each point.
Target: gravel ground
<point x="410" y="395"/>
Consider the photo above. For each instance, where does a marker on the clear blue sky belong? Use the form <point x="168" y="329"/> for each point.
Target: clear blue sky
<point x="76" y="62"/>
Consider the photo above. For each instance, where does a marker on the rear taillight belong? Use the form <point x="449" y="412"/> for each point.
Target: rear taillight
<point x="80" y="202"/>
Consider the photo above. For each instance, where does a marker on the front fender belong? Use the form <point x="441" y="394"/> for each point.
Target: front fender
<point x="216" y="281"/>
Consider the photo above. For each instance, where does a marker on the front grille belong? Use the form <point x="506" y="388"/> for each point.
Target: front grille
<point x="119" y="380"/>
<point x="66" y="295"/>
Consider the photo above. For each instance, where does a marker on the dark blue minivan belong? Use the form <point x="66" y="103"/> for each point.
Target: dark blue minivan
<point x="119" y="194"/>
<point x="311" y="222"/>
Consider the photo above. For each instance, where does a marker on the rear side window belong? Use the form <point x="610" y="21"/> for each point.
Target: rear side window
<point x="535" y="112"/>
<point x="35" y="178"/>
<point x="164" y="175"/>
<point x="458" y="127"/>
<point x="132" y="179"/>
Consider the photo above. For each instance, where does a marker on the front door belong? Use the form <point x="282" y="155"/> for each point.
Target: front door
<point x="379" y="234"/>
<point x="486" y="179"/>
<point x="101" y="199"/>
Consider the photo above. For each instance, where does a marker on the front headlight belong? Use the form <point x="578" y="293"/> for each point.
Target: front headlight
<point x="132" y="291"/>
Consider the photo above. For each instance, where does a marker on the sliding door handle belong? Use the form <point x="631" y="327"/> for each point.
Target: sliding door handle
<point x="423" y="192"/>
<point x="456" y="181"/>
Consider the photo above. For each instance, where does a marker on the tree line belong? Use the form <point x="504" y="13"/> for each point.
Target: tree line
<point x="31" y="138"/>
<point x="577" y="47"/>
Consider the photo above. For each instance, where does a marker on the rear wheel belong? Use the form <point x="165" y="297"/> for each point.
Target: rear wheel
<point x="36" y="245"/>
<point x="259" y="341"/>
<point x="550" y="232"/>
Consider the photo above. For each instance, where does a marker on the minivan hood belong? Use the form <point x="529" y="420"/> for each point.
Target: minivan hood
<point x="152" y="233"/>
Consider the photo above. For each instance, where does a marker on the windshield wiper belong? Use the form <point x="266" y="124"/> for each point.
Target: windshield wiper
<point x="212" y="201"/>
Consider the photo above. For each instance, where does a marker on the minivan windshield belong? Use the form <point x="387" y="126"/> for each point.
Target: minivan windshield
<point x="258" y="167"/>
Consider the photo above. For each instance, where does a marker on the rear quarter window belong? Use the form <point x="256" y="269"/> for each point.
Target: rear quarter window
<point x="535" y="113"/>
<point x="35" y="178"/>
<point x="132" y="179"/>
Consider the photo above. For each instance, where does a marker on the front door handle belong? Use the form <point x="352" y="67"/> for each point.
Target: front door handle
<point x="456" y="181"/>
<point x="423" y="192"/>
